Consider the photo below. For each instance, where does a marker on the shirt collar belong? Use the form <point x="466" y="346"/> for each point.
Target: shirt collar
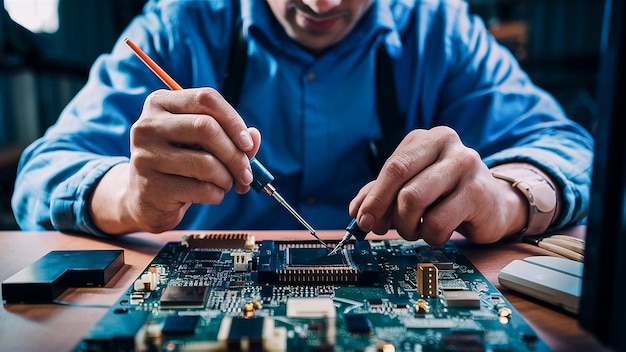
<point x="385" y="21"/>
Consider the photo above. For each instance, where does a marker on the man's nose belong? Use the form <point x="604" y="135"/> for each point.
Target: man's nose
<point x="321" y="6"/>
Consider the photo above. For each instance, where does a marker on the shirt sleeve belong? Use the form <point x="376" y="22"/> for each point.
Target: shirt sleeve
<point x="500" y="112"/>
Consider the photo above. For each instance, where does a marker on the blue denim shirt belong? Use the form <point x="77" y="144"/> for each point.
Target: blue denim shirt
<point x="317" y="114"/>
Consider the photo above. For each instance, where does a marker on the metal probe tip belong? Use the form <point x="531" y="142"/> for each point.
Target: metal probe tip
<point x="341" y="243"/>
<point x="352" y="229"/>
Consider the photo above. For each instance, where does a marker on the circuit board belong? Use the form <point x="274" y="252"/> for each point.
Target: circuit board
<point x="226" y="292"/>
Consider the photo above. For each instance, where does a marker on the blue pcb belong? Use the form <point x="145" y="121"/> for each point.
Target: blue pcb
<point x="216" y="292"/>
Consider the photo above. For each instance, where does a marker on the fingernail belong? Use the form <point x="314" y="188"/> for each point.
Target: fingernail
<point x="245" y="140"/>
<point x="247" y="177"/>
<point x="366" y="222"/>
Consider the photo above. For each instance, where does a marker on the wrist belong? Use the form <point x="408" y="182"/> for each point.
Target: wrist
<point x="538" y="192"/>
<point x="514" y="209"/>
<point x="107" y="206"/>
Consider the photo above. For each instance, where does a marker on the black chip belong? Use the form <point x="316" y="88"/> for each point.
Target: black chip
<point x="184" y="296"/>
<point x="250" y="329"/>
<point x="357" y="324"/>
<point x="464" y="341"/>
<point x="287" y="263"/>
<point x="236" y="284"/>
<point x="267" y="291"/>
<point x="207" y="255"/>
<point x="375" y="302"/>
<point x="399" y="302"/>
<point x="180" y="325"/>
<point x="314" y="257"/>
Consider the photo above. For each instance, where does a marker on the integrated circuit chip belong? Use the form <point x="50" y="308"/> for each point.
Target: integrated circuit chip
<point x="205" y="255"/>
<point x="399" y="302"/>
<point x="267" y="291"/>
<point x="375" y="302"/>
<point x="310" y="263"/>
<point x="236" y="284"/>
<point x="180" y="324"/>
<point x="357" y="324"/>
<point x="184" y="296"/>
<point x="314" y="257"/>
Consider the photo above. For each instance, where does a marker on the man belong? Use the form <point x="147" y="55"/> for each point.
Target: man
<point x="485" y="152"/>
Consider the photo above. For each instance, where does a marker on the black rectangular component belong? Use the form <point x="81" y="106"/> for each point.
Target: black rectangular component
<point x="116" y="331"/>
<point x="375" y="302"/>
<point x="249" y="329"/>
<point x="44" y="280"/>
<point x="205" y="256"/>
<point x="399" y="302"/>
<point x="267" y="291"/>
<point x="180" y="324"/>
<point x="314" y="257"/>
<point x="184" y="296"/>
<point x="357" y="324"/>
<point x="236" y="284"/>
<point x="307" y="262"/>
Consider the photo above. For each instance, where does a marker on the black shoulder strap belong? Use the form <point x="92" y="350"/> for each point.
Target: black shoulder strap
<point x="392" y="122"/>
<point x="237" y="62"/>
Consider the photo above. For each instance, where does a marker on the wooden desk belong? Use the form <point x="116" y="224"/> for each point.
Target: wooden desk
<point x="60" y="328"/>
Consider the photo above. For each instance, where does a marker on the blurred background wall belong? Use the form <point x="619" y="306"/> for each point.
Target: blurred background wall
<point x="47" y="47"/>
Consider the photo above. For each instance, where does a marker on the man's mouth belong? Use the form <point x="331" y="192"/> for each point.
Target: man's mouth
<point x="317" y="24"/>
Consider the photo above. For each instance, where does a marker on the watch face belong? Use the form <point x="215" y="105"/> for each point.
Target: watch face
<point x="544" y="195"/>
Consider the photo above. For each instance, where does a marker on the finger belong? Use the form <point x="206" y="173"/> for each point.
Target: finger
<point x="241" y="188"/>
<point x="204" y="118"/>
<point x="208" y="101"/>
<point x="256" y="141"/>
<point x="355" y="204"/>
<point x="198" y="164"/>
<point x="469" y="199"/>
<point x="440" y="221"/>
<point x="414" y="153"/>
<point x="420" y="194"/>
<point x="199" y="131"/>
<point x="384" y="222"/>
<point x="452" y="192"/>
<point x="190" y="163"/>
<point x="169" y="191"/>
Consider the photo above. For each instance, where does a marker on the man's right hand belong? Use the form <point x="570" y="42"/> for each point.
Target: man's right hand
<point x="188" y="146"/>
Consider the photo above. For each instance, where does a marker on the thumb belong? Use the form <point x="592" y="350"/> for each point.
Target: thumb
<point x="256" y="141"/>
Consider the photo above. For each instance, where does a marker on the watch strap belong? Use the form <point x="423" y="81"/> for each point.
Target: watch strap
<point x="541" y="196"/>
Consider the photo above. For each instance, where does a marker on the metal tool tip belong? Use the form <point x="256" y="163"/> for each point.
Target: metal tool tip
<point x="334" y="251"/>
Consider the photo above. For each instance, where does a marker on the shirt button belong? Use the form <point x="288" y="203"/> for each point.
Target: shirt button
<point x="310" y="200"/>
<point x="310" y="76"/>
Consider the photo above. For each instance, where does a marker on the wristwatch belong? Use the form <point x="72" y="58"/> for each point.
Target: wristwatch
<point x="541" y="196"/>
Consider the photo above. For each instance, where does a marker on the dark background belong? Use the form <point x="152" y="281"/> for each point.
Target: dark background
<point x="556" y="41"/>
